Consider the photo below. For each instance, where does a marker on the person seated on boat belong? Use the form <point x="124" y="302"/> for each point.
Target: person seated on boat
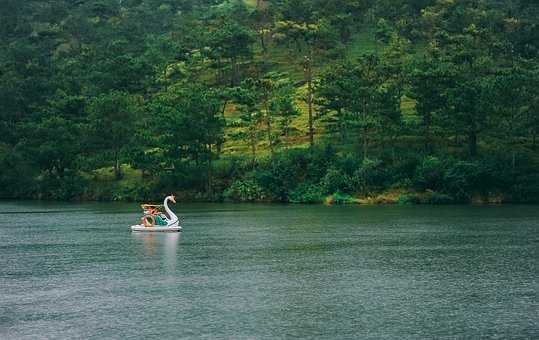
<point x="159" y="219"/>
<point x="158" y="215"/>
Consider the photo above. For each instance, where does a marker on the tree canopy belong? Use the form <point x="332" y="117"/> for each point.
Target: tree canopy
<point x="286" y="100"/>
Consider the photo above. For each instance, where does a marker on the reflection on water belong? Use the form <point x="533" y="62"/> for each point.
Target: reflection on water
<point x="155" y="244"/>
<point x="171" y="249"/>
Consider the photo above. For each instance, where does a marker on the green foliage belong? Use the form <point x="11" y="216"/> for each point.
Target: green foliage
<point x="112" y="124"/>
<point x="232" y="42"/>
<point x="186" y="121"/>
<point x="278" y="177"/>
<point x="406" y="199"/>
<point x="461" y="179"/>
<point x="370" y="176"/>
<point x="339" y="198"/>
<point x="335" y="181"/>
<point x="306" y="193"/>
<point x="69" y="187"/>
<point x="128" y="100"/>
<point x="134" y="192"/>
<point x="429" y="174"/>
<point x="244" y="191"/>
<point x="429" y="197"/>
<point x="525" y="189"/>
<point x="361" y="96"/>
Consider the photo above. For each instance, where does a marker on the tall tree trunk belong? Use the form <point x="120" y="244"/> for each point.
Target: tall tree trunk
<point x="342" y="125"/>
<point x="472" y="142"/>
<point x="263" y="44"/>
<point x="223" y="110"/>
<point x="234" y="77"/>
<point x="253" y="153"/>
<point x="60" y="170"/>
<point x="309" y="78"/>
<point x="210" y="174"/>
<point x="220" y="144"/>
<point x="365" y="143"/>
<point x="270" y="139"/>
<point x="393" y="142"/>
<point x="117" y="167"/>
<point x="268" y="123"/>
<point x="363" y="129"/>
<point x="220" y="75"/>
<point x="511" y="135"/>
<point x="427" y="122"/>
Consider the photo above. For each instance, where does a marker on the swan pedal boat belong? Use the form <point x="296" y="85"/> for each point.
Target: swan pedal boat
<point x="168" y="223"/>
<point x="141" y="228"/>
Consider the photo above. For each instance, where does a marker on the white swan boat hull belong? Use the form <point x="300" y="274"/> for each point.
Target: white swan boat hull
<point x="141" y="228"/>
<point x="172" y="221"/>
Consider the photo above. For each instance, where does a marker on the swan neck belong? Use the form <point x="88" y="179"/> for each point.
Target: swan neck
<point x="171" y="215"/>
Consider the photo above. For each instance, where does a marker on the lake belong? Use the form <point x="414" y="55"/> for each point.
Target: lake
<point x="269" y="271"/>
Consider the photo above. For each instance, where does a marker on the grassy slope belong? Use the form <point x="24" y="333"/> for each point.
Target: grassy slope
<point x="282" y="60"/>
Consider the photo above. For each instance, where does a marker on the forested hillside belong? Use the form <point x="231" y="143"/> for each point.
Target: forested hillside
<point x="370" y="101"/>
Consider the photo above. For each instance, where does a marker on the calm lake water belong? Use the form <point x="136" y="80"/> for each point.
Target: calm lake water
<point x="269" y="271"/>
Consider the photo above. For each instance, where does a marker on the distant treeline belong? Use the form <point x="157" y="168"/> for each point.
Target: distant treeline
<point x="370" y="101"/>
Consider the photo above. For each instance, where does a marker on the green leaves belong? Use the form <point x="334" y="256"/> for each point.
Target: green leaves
<point x="186" y="121"/>
<point x="359" y="94"/>
<point x="112" y="121"/>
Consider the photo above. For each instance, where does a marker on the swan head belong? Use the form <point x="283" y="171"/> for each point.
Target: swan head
<point x="172" y="198"/>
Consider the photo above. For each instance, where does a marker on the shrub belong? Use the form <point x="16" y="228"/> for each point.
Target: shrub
<point x="526" y="189"/>
<point x="223" y="171"/>
<point x="244" y="191"/>
<point x="306" y="193"/>
<point x="186" y="176"/>
<point x="278" y="175"/>
<point x="70" y="187"/>
<point x="408" y="199"/>
<point x="339" y="198"/>
<point x="132" y="192"/>
<point x="461" y="179"/>
<point x="318" y="161"/>
<point x="430" y="174"/>
<point x="348" y="164"/>
<point x="383" y="30"/>
<point x="369" y="176"/>
<point x="402" y="172"/>
<point x="335" y="181"/>
<point x="402" y="184"/>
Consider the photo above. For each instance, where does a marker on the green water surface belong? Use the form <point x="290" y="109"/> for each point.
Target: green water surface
<point x="70" y="271"/>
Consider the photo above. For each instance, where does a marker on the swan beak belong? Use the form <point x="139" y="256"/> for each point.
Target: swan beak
<point x="173" y="199"/>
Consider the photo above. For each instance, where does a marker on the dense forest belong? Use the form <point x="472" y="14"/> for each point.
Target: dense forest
<point x="369" y="101"/>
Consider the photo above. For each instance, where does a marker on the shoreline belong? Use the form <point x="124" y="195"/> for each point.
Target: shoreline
<point x="329" y="201"/>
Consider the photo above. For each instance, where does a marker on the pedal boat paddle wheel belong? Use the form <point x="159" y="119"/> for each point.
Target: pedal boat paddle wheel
<point x="155" y="220"/>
